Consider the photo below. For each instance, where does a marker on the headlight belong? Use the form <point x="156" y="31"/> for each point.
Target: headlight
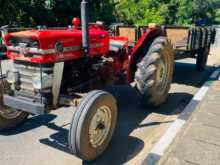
<point x="47" y="81"/>
<point x="59" y="47"/>
<point x="12" y="41"/>
<point x="35" y="44"/>
<point x="12" y="77"/>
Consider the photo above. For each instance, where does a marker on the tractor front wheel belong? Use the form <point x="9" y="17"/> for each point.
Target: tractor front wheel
<point x="93" y="125"/>
<point x="9" y="118"/>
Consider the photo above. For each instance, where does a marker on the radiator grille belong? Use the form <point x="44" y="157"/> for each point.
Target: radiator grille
<point x="27" y="72"/>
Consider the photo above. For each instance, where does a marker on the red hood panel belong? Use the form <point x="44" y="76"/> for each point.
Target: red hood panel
<point x="41" y="34"/>
<point x="99" y="43"/>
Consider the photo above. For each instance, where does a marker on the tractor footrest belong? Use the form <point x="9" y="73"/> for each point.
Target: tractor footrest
<point x="24" y="105"/>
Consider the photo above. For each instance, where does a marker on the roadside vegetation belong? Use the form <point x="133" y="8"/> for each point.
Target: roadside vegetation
<point x="28" y="13"/>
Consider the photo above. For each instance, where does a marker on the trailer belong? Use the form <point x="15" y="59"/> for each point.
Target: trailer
<point x="71" y="67"/>
<point x="187" y="41"/>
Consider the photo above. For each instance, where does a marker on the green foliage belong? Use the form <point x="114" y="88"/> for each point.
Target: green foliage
<point x="140" y="12"/>
<point x="217" y="17"/>
<point x="181" y="12"/>
<point x="191" y="11"/>
<point x="102" y="10"/>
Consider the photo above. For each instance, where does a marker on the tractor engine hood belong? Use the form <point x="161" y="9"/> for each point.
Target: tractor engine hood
<point x="45" y="46"/>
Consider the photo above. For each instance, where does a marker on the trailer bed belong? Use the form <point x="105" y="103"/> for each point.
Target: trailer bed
<point x="183" y="38"/>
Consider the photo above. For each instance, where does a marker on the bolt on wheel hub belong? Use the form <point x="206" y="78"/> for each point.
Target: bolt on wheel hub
<point x="161" y="71"/>
<point x="100" y="126"/>
<point x="161" y="76"/>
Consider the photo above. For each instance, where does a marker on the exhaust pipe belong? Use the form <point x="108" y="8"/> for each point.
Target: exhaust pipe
<point x="85" y="26"/>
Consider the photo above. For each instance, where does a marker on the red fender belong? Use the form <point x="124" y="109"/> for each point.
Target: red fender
<point x="145" y="41"/>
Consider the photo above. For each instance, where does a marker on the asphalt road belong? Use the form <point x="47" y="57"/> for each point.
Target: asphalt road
<point x="43" y="139"/>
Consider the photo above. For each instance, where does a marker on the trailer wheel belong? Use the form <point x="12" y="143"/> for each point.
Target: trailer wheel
<point x="9" y="118"/>
<point x="93" y="125"/>
<point x="154" y="73"/>
<point x="202" y="58"/>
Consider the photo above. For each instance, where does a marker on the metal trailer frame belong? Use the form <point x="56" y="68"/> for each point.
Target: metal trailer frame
<point x="196" y="38"/>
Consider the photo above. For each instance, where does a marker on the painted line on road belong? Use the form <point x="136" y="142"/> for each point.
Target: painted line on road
<point x="214" y="74"/>
<point x="162" y="145"/>
<point x="201" y="93"/>
<point x="167" y="138"/>
<point x="189" y="110"/>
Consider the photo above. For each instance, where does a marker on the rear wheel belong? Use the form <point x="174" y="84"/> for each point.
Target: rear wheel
<point x="9" y="118"/>
<point x="93" y="125"/>
<point x="202" y="58"/>
<point x="154" y="73"/>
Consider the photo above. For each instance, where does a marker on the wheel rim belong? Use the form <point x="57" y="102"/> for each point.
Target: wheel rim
<point x="8" y="113"/>
<point x="161" y="76"/>
<point x="161" y="71"/>
<point x="5" y="111"/>
<point x="100" y="126"/>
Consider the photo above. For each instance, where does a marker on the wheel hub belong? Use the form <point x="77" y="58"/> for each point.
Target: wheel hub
<point x="100" y="126"/>
<point x="161" y="73"/>
<point x="9" y="113"/>
<point x="161" y="76"/>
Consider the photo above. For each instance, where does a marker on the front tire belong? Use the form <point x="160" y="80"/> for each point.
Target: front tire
<point x="93" y="125"/>
<point x="155" y="72"/>
<point x="9" y="118"/>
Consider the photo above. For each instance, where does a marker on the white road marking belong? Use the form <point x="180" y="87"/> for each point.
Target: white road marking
<point x="166" y="140"/>
<point x="208" y="83"/>
<point x="201" y="93"/>
<point x="214" y="74"/>
<point x="168" y="137"/>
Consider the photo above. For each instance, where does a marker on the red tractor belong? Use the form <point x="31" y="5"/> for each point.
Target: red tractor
<point x="68" y="67"/>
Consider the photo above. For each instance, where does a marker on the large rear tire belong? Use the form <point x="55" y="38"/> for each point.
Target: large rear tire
<point x="9" y="118"/>
<point x="155" y="72"/>
<point x="93" y="125"/>
<point x="202" y="58"/>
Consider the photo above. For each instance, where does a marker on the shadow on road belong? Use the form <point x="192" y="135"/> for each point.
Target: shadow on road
<point x="186" y="73"/>
<point x="59" y="139"/>
<point x="124" y="146"/>
<point x="30" y="124"/>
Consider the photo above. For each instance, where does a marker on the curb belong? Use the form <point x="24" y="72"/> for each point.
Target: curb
<point x="162" y="145"/>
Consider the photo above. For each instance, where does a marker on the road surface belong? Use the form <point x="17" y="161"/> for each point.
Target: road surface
<point x="43" y="139"/>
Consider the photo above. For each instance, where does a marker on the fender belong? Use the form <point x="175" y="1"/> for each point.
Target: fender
<point x="142" y="44"/>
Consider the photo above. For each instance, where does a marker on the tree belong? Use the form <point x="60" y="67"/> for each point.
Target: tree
<point x="30" y="13"/>
<point x="103" y="10"/>
<point x="189" y="12"/>
<point x="140" y="12"/>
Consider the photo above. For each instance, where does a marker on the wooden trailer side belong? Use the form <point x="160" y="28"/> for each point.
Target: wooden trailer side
<point x="178" y="37"/>
<point x="128" y="31"/>
<point x="189" y="38"/>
